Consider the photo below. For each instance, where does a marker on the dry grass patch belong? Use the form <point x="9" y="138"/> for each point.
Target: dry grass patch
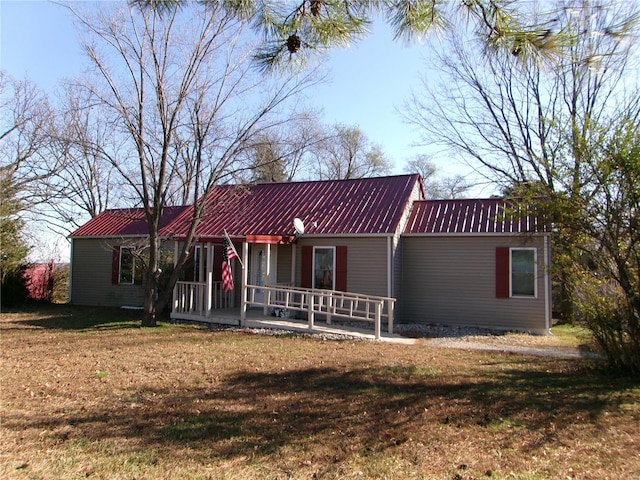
<point x="86" y="394"/>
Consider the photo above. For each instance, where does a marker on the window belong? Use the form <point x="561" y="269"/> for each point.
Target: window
<point x="199" y="258"/>
<point x="324" y="267"/>
<point x="127" y="266"/>
<point x="523" y="272"/>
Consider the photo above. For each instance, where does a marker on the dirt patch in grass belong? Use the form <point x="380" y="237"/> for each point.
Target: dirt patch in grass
<point x="85" y="393"/>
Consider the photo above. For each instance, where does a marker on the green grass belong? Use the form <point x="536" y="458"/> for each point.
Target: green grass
<point x="573" y="336"/>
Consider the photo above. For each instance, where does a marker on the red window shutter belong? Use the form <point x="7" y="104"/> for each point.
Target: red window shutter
<point x="341" y="268"/>
<point x="115" y="265"/>
<point x="306" y="269"/>
<point x="502" y="272"/>
<point x="217" y="263"/>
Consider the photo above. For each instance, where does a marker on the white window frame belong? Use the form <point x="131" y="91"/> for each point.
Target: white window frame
<point x="133" y="265"/>
<point x="333" y="267"/>
<point x="535" y="272"/>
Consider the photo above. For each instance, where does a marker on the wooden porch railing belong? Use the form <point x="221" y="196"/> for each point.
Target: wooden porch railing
<point x="190" y="300"/>
<point x="330" y="303"/>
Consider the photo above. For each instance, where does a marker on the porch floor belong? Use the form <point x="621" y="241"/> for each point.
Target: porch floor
<point x="256" y="319"/>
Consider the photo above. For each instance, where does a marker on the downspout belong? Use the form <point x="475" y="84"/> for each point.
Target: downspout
<point x="390" y="266"/>
<point x="70" y="271"/>
<point x="391" y="306"/>
<point x="547" y="285"/>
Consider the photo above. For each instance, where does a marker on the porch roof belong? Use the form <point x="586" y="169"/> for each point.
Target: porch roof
<point x="123" y="222"/>
<point x="472" y="216"/>
<point x="338" y="207"/>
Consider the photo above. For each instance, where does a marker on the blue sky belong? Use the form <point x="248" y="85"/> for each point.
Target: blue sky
<point x="369" y="82"/>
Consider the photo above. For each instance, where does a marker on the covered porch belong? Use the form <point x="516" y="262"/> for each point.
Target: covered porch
<point x="262" y="299"/>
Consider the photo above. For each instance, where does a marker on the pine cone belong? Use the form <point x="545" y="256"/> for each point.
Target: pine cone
<point x="293" y="43"/>
<point x="315" y="7"/>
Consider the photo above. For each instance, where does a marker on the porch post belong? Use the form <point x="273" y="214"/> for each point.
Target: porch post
<point x="265" y="280"/>
<point x="209" y="279"/>
<point x="243" y="283"/>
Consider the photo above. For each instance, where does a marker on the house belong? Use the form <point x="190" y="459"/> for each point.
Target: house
<point x="304" y="244"/>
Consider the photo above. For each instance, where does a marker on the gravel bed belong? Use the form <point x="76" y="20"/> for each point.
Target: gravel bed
<point x="282" y="332"/>
<point x="471" y="338"/>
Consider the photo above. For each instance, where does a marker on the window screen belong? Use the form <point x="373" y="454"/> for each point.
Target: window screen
<point x="523" y="272"/>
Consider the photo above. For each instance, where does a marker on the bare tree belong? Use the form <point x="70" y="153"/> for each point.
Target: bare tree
<point x="345" y="153"/>
<point x="285" y="152"/>
<point x="24" y="135"/>
<point x="529" y="122"/>
<point x="87" y="146"/>
<point x="434" y="186"/>
<point x="25" y="166"/>
<point x="181" y="90"/>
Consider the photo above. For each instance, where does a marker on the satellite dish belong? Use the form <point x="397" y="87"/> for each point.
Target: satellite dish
<point x="298" y="225"/>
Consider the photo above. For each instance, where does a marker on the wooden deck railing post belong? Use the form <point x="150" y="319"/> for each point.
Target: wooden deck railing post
<point x="377" y="319"/>
<point x="310" y="309"/>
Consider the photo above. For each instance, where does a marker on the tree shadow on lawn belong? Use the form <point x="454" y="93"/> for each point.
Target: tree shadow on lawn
<point x="256" y="414"/>
<point x="73" y="317"/>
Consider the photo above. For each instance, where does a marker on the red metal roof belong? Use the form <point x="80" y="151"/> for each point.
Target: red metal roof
<point x="493" y="215"/>
<point x="123" y="222"/>
<point x="337" y="207"/>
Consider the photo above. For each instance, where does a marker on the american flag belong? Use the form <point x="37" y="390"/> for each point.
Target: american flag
<point x="228" y="254"/>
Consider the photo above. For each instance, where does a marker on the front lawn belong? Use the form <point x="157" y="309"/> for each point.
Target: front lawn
<point x="87" y="394"/>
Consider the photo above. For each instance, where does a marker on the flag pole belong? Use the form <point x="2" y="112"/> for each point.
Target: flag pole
<point x="232" y="247"/>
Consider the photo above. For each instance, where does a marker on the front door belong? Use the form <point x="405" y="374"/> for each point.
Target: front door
<point x="259" y="274"/>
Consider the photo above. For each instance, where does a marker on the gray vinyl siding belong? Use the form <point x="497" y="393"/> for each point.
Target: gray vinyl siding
<point x="367" y="262"/>
<point x="91" y="276"/>
<point x="450" y="280"/>
<point x="284" y="264"/>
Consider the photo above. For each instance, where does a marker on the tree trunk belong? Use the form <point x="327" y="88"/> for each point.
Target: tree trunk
<point x="149" y="315"/>
<point x="153" y="271"/>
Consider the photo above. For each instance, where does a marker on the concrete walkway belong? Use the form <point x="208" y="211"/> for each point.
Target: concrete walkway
<point x="553" y="352"/>
<point x="257" y="320"/>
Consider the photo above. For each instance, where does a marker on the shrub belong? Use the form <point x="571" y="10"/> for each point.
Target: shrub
<point x="607" y="312"/>
<point x="14" y="288"/>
